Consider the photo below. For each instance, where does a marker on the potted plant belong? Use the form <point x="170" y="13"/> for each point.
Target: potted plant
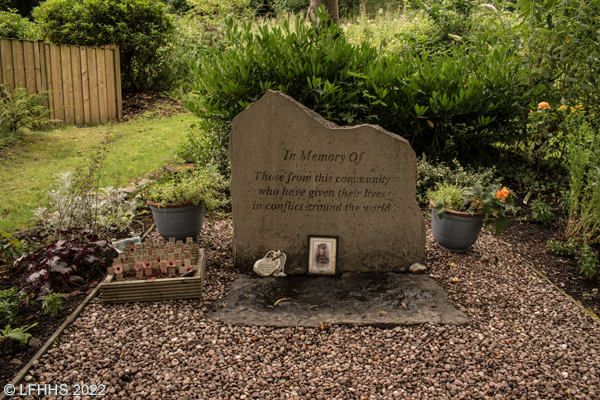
<point x="178" y="200"/>
<point x="458" y="214"/>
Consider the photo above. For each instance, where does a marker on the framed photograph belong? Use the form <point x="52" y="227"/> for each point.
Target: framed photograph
<point x="322" y="255"/>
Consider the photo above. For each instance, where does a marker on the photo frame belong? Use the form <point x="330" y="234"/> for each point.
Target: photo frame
<point x="322" y="255"/>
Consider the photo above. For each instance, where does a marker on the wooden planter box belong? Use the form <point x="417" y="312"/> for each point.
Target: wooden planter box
<point x="155" y="289"/>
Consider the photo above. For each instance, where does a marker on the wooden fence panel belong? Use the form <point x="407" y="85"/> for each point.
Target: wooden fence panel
<point x="84" y="82"/>
<point x="18" y="63"/>
<point x="85" y="85"/>
<point x="57" y="86"/>
<point x="94" y="99"/>
<point x="102" y="84"/>
<point x="77" y="90"/>
<point x="7" y="62"/>
<point x="30" y="78"/>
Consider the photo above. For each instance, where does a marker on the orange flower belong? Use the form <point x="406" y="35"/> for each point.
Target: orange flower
<point x="543" y="105"/>
<point x="502" y="194"/>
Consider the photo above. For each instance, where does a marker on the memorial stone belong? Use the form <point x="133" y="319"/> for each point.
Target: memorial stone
<point x="295" y="174"/>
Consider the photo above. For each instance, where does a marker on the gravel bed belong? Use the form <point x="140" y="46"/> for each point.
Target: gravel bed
<point x="527" y="340"/>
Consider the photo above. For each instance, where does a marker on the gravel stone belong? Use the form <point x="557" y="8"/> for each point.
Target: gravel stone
<point x="527" y="340"/>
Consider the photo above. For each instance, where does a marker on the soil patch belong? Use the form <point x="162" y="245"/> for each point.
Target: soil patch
<point x="151" y="105"/>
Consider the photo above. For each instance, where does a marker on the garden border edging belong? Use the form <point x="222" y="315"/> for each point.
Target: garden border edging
<point x="57" y="334"/>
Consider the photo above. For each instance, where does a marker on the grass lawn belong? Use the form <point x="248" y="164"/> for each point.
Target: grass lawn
<point x="28" y="167"/>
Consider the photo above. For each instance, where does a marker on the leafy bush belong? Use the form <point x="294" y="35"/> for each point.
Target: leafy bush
<point x="20" y="111"/>
<point x="541" y="212"/>
<point x="583" y="213"/>
<point x="282" y="7"/>
<point x="141" y="28"/>
<point x="561" y="45"/>
<point x="11" y="248"/>
<point x="588" y="261"/>
<point x="14" y="26"/>
<point x="49" y="267"/>
<point x="429" y="175"/>
<point x="11" y="302"/>
<point x="563" y="248"/>
<point x="77" y="202"/>
<point x="52" y="303"/>
<point x="206" y="146"/>
<point x="444" y="105"/>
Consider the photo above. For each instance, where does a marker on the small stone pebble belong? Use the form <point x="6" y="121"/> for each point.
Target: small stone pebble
<point x="526" y="340"/>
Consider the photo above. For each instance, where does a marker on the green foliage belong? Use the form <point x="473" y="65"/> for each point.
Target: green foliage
<point x="14" y="26"/>
<point x="11" y="301"/>
<point x="205" y="146"/>
<point x="52" y="303"/>
<point x="141" y="28"/>
<point x="541" y="212"/>
<point x="282" y="7"/>
<point x="201" y="185"/>
<point x="11" y="248"/>
<point x="583" y="213"/>
<point x="563" y="248"/>
<point x="19" y="334"/>
<point x="430" y="174"/>
<point x="20" y="111"/>
<point x="23" y="7"/>
<point x="76" y="201"/>
<point x="448" y="197"/>
<point x="561" y="46"/>
<point x="444" y="105"/>
<point x="177" y="6"/>
<point x="588" y="261"/>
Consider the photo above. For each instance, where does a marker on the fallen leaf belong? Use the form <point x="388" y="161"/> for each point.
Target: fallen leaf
<point x="254" y="339"/>
<point x="400" y="297"/>
<point x="404" y="305"/>
<point x="452" y="264"/>
<point x="280" y="300"/>
<point x="376" y="358"/>
<point x="382" y="312"/>
<point x="454" y="280"/>
<point x="430" y="123"/>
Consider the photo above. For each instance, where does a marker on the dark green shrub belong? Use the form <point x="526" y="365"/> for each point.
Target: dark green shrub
<point x="14" y="26"/>
<point x="282" y="7"/>
<point x="23" y="7"/>
<point x="563" y="248"/>
<point x="142" y="29"/>
<point x="541" y="212"/>
<point x="445" y="105"/>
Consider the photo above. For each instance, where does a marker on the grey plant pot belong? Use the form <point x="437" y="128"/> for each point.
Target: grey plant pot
<point x="457" y="231"/>
<point x="180" y="220"/>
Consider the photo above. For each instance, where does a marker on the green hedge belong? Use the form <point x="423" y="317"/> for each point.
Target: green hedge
<point x="446" y="105"/>
<point x="142" y="29"/>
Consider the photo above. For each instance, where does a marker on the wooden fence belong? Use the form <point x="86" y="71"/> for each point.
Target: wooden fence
<point x="84" y="82"/>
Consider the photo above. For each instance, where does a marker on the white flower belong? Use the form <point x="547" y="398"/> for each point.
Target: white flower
<point x="380" y="11"/>
<point x="489" y="8"/>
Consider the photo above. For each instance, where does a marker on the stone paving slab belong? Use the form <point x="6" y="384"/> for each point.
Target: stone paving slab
<point x="383" y="300"/>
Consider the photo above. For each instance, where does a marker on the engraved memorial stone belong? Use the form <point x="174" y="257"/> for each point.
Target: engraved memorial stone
<point x="295" y="174"/>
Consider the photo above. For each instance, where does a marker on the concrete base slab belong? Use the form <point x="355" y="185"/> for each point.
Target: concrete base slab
<point x="383" y="300"/>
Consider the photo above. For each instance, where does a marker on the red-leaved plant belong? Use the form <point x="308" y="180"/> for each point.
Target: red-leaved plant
<point x="49" y="268"/>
